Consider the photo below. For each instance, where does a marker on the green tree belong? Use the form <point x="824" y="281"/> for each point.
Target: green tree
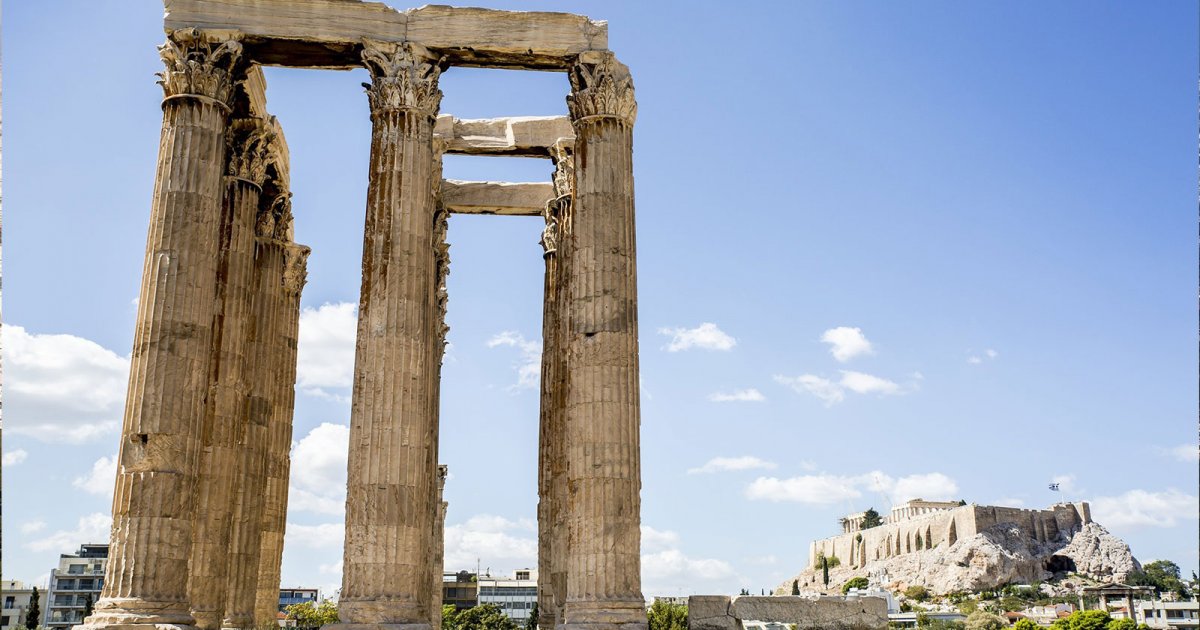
<point x="984" y="620"/>
<point x="480" y="617"/>
<point x="1121" y="624"/>
<point x="871" y="519"/>
<point x="665" y="616"/>
<point x="448" y="613"/>
<point x="1083" y="620"/>
<point x="795" y="587"/>
<point x="825" y="571"/>
<point x="1163" y="575"/>
<point x="308" y="615"/>
<point x="1025" y="624"/>
<point x="531" y="621"/>
<point x="34" y="614"/>
<point x="917" y="592"/>
<point x="855" y="582"/>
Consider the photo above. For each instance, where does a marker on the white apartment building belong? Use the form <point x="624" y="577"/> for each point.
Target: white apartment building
<point x="76" y="582"/>
<point x="15" y="603"/>
<point x="1160" y="614"/>
<point x="515" y="596"/>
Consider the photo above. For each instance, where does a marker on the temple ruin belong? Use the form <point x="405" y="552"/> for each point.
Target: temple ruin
<point x="201" y="490"/>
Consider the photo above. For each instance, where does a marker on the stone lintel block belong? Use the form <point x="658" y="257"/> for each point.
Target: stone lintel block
<point x="711" y="612"/>
<point x="329" y="33"/>
<point x="823" y="613"/>
<point x="503" y="198"/>
<point x="525" y="136"/>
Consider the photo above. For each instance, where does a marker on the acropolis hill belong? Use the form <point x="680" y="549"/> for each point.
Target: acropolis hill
<point x="948" y="546"/>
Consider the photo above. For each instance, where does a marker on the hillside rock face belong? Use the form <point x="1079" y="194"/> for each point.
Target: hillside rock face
<point x="996" y="556"/>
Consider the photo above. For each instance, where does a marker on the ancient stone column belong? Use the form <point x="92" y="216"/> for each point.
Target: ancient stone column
<point x="282" y="272"/>
<point x="146" y="578"/>
<point x="389" y="516"/>
<point x="552" y="468"/>
<point x="222" y="460"/>
<point x="602" y="406"/>
<point x="439" y="547"/>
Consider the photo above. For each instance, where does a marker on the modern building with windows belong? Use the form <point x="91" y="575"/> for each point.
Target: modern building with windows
<point x="75" y="585"/>
<point x="516" y="596"/>
<point x="290" y="596"/>
<point x="460" y="590"/>
<point x="15" y="604"/>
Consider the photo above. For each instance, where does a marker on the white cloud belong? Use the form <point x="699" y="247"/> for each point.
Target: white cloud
<point x="318" y="481"/>
<point x="845" y="343"/>
<point x="529" y="368"/>
<point x="1066" y="483"/>
<point x="1187" y="453"/>
<point x="100" y="479"/>
<point x="990" y="354"/>
<point x="500" y="543"/>
<point x="826" y="489"/>
<point x="323" y="536"/>
<point x="668" y="570"/>
<point x="740" y="395"/>
<point x="831" y="392"/>
<point x="861" y="383"/>
<point x="1142" y="508"/>
<point x="32" y="527"/>
<point x="325" y="348"/>
<point x="93" y="528"/>
<point x="724" y="464"/>
<point x="14" y="457"/>
<point x="706" y="336"/>
<point x="61" y="388"/>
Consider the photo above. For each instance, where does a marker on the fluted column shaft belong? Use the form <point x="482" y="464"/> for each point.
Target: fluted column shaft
<point x="283" y="265"/>
<point x="226" y="430"/>
<point x="602" y="406"/>
<point x="146" y="577"/>
<point x="389" y="516"/>
<point x="439" y="549"/>
<point x="552" y="468"/>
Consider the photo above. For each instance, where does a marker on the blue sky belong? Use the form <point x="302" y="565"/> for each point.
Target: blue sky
<point x="885" y="250"/>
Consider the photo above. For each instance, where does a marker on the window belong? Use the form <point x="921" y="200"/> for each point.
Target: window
<point x="75" y="569"/>
<point x="9" y="601"/>
<point x="66" y="585"/>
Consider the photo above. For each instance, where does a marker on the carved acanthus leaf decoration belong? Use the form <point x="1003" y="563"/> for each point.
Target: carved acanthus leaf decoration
<point x="295" y="268"/>
<point x="198" y="66"/>
<point x="564" y="167"/>
<point x="249" y="148"/>
<point x="441" y="256"/>
<point x="601" y="86"/>
<point x="403" y="76"/>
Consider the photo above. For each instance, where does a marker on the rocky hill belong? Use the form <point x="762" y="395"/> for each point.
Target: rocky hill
<point x="996" y="556"/>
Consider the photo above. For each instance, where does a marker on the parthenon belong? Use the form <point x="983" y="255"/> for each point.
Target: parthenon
<point x="200" y="502"/>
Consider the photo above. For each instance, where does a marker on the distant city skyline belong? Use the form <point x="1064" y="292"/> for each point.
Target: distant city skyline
<point x="886" y="251"/>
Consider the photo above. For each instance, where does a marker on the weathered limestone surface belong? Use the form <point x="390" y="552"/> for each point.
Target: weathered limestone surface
<point x="525" y="136"/>
<point x="329" y="33"/>
<point x="552" y="463"/>
<point x="224" y="460"/>
<point x="504" y="198"/>
<point x="709" y="612"/>
<point x="146" y="579"/>
<point x="389" y="516"/>
<point x="282" y="271"/>
<point x="602" y="400"/>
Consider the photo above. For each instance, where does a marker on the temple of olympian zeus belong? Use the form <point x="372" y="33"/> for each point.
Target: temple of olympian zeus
<point x="201" y="490"/>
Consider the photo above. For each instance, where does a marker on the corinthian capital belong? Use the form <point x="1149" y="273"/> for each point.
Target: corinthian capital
<point x="295" y="268"/>
<point x="249" y="143"/>
<point x="601" y="86"/>
<point x="403" y="76"/>
<point x="198" y="66"/>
